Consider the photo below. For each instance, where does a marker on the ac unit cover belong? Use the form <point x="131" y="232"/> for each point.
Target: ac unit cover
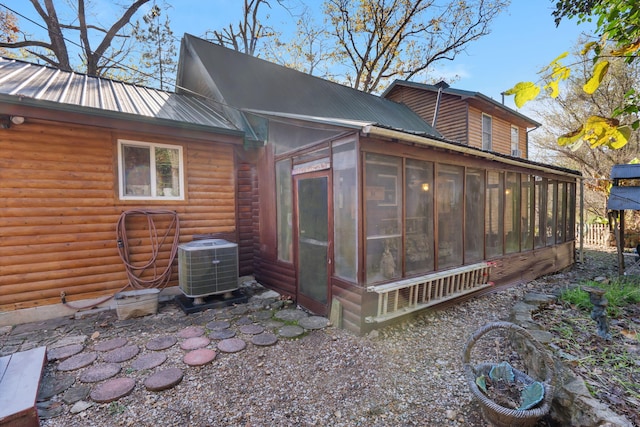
<point x="207" y="267"/>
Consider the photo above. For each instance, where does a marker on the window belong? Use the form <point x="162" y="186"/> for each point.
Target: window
<point x="419" y="216"/>
<point x="449" y="202"/>
<point x="474" y="215"/>
<point x="494" y="214"/>
<point x="515" y="141"/>
<point x="150" y="171"/>
<point x="526" y="213"/>
<point x="486" y="132"/>
<point x="284" y="221"/>
<point x="345" y="209"/>
<point x="512" y="213"/>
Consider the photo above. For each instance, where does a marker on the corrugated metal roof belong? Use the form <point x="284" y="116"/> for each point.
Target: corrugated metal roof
<point x="249" y="83"/>
<point x="624" y="198"/>
<point x="41" y="83"/>
<point x="627" y="171"/>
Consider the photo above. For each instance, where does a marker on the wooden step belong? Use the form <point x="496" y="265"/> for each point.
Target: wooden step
<point x="20" y="375"/>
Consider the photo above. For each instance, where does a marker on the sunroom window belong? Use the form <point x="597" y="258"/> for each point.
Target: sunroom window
<point x="150" y="171"/>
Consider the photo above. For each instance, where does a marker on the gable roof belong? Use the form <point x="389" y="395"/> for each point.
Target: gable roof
<point x="244" y="82"/>
<point x="27" y="84"/>
<point x="488" y="103"/>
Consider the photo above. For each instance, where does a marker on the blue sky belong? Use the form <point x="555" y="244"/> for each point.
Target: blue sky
<point x="523" y="39"/>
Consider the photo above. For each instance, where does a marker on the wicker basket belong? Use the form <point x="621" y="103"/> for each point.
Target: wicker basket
<point x="493" y="413"/>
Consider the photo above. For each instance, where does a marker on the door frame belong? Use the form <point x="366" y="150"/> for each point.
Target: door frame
<point x="305" y="301"/>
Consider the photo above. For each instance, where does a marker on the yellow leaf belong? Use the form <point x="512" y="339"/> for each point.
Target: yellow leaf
<point x="587" y="47"/>
<point x="571" y="137"/>
<point x="552" y="88"/>
<point x="619" y="137"/>
<point x="605" y="131"/>
<point x="625" y="50"/>
<point x="524" y="92"/>
<point x="599" y="71"/>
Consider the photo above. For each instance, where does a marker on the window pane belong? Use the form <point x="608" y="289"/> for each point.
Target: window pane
<point x="486" y="132"/>
<point x="137" y="170"/>
<point x="167" y="172"/>
<point x="284" y="210"/>
<point x="474" y="216"/>
<point x="561" y="208"/>
<point x="383" y="226"/>
<point x="552" y="189"/>
<point x="345" y="210"/>
<point x="419" y="221"/>
<point x="571" y="212"/>
<point x="494" y="218"/>
<point x="450" y="215"/>
<point x="540" y="211"/>
<point x="512" y="212"/>
<point x="526" y="215"/>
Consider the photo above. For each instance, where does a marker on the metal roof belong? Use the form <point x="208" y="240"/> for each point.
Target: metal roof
<point x="248" y="83"/>
<point x="627" y="171"/>
<point x="43" y="86"/>
<point x="462" y="94"/>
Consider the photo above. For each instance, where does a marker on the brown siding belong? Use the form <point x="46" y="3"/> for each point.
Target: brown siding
<point x="58" y="196"/>
<point x="246" y="193"/>
<point x="276" y="275"/>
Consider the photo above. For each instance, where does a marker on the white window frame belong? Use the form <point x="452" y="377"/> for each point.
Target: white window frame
<point x="487" y="143"/>
<point x="151" y="146"/>
<point x="515" y="140"/>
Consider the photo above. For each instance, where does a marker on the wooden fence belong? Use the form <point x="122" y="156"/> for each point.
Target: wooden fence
<point x="593" y="234"/>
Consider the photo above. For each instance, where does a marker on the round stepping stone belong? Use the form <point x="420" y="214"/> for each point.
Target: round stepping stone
<point x="291" y="314"/>
<point x="222" y="334"/>
<point x="113" y="389"/>
<point x="76" y="394"/>
<point x="78" y="361"/>
<point x="191" y="332"/>
<point x="99" y="372"/>
<point x="263" y="315"/>
<point x="199" y="357"/>
<point x="313" y="322"/>
<point x="162" y="342"/>
<point x="52" y="385"/>
<point x="241" y="309"/>
<point x="148" y="361"/>
<point x="216" y="325"/>
<point x="232" y="345"/>
<point x="252" y="329"/>
<point x="121" y="354"/>
<point x="194" y="343"/>
<point x="273" y="324"/>
<point x="244" y="321"/>
<point x="290" y="331"/>
<point x="164" y="379"/>
<point x="109" y="345"/>
<point x="265" y="339"/>
<point x="65" y="352"/>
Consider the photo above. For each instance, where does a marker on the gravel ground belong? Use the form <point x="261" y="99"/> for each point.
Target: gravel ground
<point x="405" y="375"/>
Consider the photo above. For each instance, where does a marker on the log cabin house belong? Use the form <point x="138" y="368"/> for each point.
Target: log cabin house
<point x="349" y="203"/>
<point x="470" y="118"/>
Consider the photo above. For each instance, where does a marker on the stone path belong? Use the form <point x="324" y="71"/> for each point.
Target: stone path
<point x="99" y="359"/>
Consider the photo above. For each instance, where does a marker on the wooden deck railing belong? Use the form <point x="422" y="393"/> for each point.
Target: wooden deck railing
<point x="408" y="295"/>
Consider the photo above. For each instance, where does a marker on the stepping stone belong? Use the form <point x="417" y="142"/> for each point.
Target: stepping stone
<point x="216" y="325"/>
<point x="76" y="394"/>
<point x="70" y="340"/>
<point x="78" y="361"/>
<point x="199" y="357"/>
<point x="162" y="342"/>
<point x="194" y="343"/>
<point x="290" y="331"/>
<point x="99" y="372"/>
<point x="222" y="334"/>
<point x="263" y="315"/>
<point x="273" y="324"/>
<point x="264" y="339"/>
<point x="164" y="379"/>
<point x="313" y="322"/>
<point x="232" y="345"/>
<point x="191" y="332"/>
<point x="241" y="309"/>
<point x="244" y="321"/>
<point x="80" y="406"/>
<point x="121" y="354"/>
<point x="54" y="384"/>
<point x="61" y="353"/>
<point x="113" y="389"/>
<point x="252" y="329"/>
<point x="148" y="361"/>
<point x="291" y="314"/>
<point x="49" y="409"/>
<point x="109" y="345"/>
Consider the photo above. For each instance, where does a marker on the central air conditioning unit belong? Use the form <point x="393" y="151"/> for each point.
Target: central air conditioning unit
<point x="207" y="267"/>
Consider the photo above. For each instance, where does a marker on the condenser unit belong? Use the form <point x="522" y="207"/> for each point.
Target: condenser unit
<point x="207" y="267"/>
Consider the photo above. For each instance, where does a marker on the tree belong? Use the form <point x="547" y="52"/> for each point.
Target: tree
<point x="8" y="28"/>
<point x="377" y="40"/>
<point x="572" y="107"/>
<point x="617" y="35"/>
<point x="100" y="61"/>
<point x="159" y="49"/>
<point x="245" y="37"/>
